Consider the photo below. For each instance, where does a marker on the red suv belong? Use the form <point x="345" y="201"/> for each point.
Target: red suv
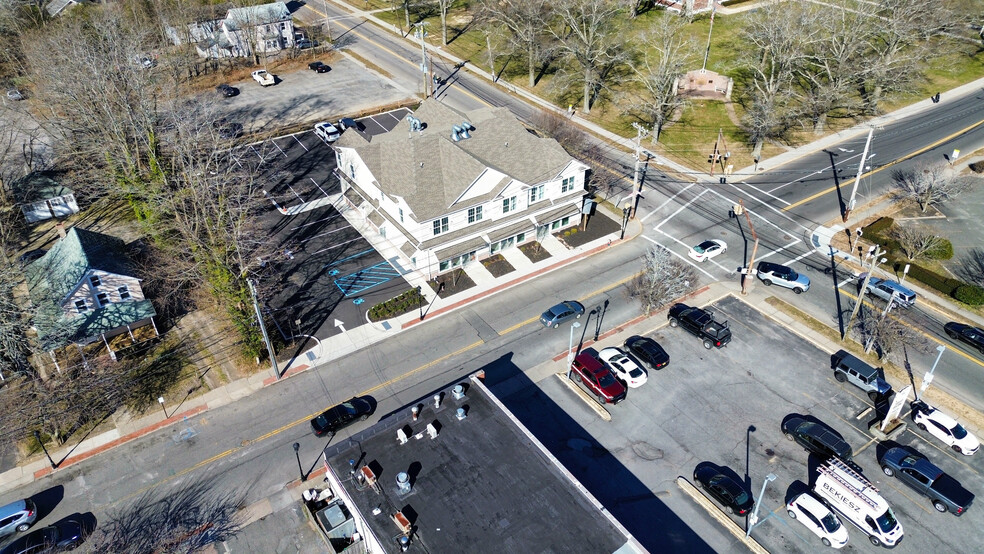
<point x="599" y="380"/>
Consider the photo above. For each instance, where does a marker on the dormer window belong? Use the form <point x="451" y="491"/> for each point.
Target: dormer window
<point x="94" y="280"/>
<point x="536" y="193"/>
<point x="103" y="298"/>
<point x="124" y="293"/>
<point x="81" y="307"/>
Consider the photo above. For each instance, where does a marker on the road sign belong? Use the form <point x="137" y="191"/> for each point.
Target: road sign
<point x="896" y="408"/>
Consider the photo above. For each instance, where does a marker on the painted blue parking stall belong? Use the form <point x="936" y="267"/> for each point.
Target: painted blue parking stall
<point x="356" y="283"/>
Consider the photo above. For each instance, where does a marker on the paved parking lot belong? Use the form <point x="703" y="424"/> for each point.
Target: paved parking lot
<point x="323" y="271"/>
<point x="726" y="406"/>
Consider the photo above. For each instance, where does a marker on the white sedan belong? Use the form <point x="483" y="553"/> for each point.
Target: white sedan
<point x="818" y="518"/>
<point x="944" y="428"/>
<point x="623" y="367"/>
<point x="707" y="250"/>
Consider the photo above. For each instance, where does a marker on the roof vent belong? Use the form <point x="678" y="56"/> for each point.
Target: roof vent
<point x="507" y="144"/>
<point x="456" y="133"/>
<point x="458" y="392"/>
<point x="432" y="430"/>
<point x="465" y="127"/>
<point x="401" y="436"/>
<point x="415" y="124"/>
<point x="460" y="414"/>
<point x="403" y="482"/>
<point x="437" y="400"/>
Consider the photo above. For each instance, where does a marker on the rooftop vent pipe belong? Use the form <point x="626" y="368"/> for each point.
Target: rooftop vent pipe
<point x="456" y="133"/>
<point x="403" y="482"/>
<point x="460" y="414"/>
<point x="465" y="127"/>
<point x="458" y="392"/>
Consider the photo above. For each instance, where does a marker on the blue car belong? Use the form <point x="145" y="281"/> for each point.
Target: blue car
<point x="566" y="310"/>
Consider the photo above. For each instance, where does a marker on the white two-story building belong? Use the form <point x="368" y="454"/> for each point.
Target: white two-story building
<point x="447" y="188"/>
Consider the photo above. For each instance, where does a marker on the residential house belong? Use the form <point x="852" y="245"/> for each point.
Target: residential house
<point x="243" y="32"/>
<point x="57" y="7"/>
<point x="41" y="197"/>
<point x="448" y="188"/>
<point x="86" y="291"/>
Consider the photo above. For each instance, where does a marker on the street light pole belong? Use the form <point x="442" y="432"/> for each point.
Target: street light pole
<point x="875" y="260"/>
<point x="297" y="447"/>
<point x="929" y="376"/>
<point x="160" y="399"/>
<point x="753" y="519"/>
<point x="857" y="178"/>
<point x="37" y="437"/>
<point x="570" y="348"/>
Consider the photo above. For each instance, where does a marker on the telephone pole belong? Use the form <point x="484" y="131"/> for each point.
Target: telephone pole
<point x="421" y="32"/>
<point x="641" y="132"/>
<point x="875" y="260"/>
<point x="266" y="338"/>
<point x="857" y="178"/>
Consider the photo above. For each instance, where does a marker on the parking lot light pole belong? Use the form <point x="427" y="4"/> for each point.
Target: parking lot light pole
<point x="570" y="348"/>
<point x="928" y="378"/>
<point x="160" y="400"/>
<point x="753" y="519"/>
<point x="420" y="302"/>
<point x="37" y="436"/>
<point x="300" y="468"/>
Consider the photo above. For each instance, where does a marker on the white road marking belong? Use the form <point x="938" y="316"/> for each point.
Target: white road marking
<point x="774" y="197"/>
<point x="294" y="136"/>
<point x="780" y="229"/>
<point x="674" y="214"/>
<point x="778" y="250"/>
<point x="819" y="171"/>
<point x="279" y="148"/>
<point x="668" y="200"/>
<point x="684" y="258"/>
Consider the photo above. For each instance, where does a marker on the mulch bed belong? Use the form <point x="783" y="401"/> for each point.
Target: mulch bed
<point x="599" y="225"/>
<point x="452" y="282"/>
<point x="534" y="251"/>
<point x="497" y="265"/>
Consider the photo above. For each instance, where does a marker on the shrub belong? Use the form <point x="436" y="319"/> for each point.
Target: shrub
<point x="942" y="251"/>
<point x="879" y="227"/>
<point x="943" y="284"/>
<point x="977" y="167"/>
<point x="970" y="294"/>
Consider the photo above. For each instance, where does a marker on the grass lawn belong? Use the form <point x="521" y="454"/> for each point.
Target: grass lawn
<point x="690" y="139"/>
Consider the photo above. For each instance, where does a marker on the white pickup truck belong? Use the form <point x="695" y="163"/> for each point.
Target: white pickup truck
<point x="262" y="77"/>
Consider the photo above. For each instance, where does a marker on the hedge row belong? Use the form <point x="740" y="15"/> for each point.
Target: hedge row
<point x="406" y="302"/>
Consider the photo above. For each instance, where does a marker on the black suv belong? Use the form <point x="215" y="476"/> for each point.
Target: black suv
<point x="700" y="323"/>
<point x="817" y="438"/>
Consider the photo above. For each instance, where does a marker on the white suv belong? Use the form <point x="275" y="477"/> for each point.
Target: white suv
<point x="886" y="290"/>
<point x="783" y="276"/>
<point x="327" y="132"/>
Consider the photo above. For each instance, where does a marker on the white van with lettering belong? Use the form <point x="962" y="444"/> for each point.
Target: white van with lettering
<point x="858" y="501"/>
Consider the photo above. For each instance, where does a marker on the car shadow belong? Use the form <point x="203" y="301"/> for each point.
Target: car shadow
<point x="47" y="500"/>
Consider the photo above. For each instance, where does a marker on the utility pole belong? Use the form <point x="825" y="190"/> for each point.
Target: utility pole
<point x="327" y="26"/>
<point x="857" y="178"/>
<point x="421" y="32"/>
<point x="719" y="155"/>
<point x="708" y="51"/>
<point x="266" y="338"/>
<point x="641" y="132"/>
<point x="875" y="260"/>
<point x="739" y="210"/>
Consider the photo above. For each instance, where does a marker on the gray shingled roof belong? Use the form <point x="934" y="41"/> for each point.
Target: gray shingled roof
<point x="430" y="171"/>
<point x="38" y="186"/>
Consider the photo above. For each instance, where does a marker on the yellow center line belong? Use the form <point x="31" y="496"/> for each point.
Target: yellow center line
<point x="888" y="165"/>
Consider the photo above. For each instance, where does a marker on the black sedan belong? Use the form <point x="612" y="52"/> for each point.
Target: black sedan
<point x="226" y="90"/>
<point x="731" y="494"/>
<point x="338" y="417"/>
<point x="647" y="351"/>
<point x="320" y="67"/>
<point x="64" y="535"/>
<point x="971" y="335"/>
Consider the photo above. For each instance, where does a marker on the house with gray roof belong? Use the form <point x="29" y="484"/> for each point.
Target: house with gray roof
<point x="41" y="197"/>
<point x="243" y="32"/>
<point x="448" y="188"/>
<point x="85" y="291"/>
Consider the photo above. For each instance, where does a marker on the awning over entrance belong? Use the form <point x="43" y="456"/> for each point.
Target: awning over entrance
<point x="557" y="213"/>
<point x="511" y="230"/>
<point x="465" y="247"/>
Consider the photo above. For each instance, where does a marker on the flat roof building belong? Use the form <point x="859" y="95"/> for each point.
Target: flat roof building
<point x="465" y="475"/>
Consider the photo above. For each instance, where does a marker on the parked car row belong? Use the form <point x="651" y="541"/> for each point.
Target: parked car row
<point x="20" y="515"/>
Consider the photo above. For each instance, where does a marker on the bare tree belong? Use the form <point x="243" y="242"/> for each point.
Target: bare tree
<point x="972" y="267"/>
<point x="667" y="52"/>
<point x="663" y="279"/>
<point x="928" y="184"/>
<point x="915" y="242"/>
<point x="527" y="21"/>
<point x="777" y="37"/>
<point x="444" y="6"/>
<point x="589" y="35"/>
<point x="184" y="520"/>
<point x="15" y="349"/>
<point x="886" y="334"/>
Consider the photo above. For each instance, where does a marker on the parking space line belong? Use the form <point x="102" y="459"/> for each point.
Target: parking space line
<point x="294" y="136"/>
<point x="689" y="261"/>
<point x="257" y="153"/>
<point x="299" y="197"/>
<point x="274" y="141"/>
<point x="365" y="279"/>
<point x="352" y="257"/>
<point x="668" y="200"/>
<point x="339" y="245"/>
<point x="683" y="207"/>
<point x="319" y="187"/>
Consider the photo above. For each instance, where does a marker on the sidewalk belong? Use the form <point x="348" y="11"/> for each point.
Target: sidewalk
<point x="338" y="345"/>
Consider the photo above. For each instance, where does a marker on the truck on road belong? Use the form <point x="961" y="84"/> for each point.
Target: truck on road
<point x="857" y="500"/>
<point x="947" y="494"/>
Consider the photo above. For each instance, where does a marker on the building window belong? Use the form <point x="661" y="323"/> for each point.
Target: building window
<point x="536" y="193"/>
<point x="81" y="306"/>
<point x="445" y="265"/>
<point x="567" y="185"/>
<point x="124" y="293"/>
<point x="103" y="298"/>
<point x="520" y="238"/>
<point x="352" y="171"/>
<point x="94" y="279"/>
<point x="555" y="225"/>
<point x="440" y="226"/>
<point x="508" y="204"/>
<point x="474" y="214"/>
<point x="401" y="214"/>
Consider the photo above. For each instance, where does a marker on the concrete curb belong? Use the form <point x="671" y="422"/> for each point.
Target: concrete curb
<point x="712" y="510"/>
